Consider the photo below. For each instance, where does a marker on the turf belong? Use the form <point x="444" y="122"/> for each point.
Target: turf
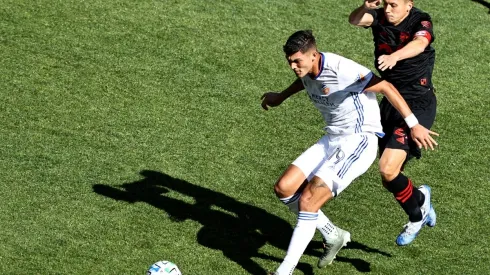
<point x="132" y="132"/>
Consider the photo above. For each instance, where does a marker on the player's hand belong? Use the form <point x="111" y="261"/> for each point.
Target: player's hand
<point x="387" y="62"/>
<point x="422" y="137"/>
<point x="271" y="99"/>
<point x="372" y="4"/>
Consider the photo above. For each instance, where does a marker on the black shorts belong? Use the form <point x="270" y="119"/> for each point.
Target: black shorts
<point x="397" y="133"/>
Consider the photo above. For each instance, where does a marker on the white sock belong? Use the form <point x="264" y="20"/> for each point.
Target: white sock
<point x="292" y="202"/>
<point x="302" y="235"/>
<point x="326" y="227"/>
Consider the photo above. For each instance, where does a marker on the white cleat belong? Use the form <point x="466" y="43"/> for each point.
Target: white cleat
<point x="332" y="247"/>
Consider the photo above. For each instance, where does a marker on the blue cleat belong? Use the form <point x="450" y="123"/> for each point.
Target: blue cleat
<point x="427" y="206"/>
<point x="412" y="229"/>
<point x="409" y="232"/>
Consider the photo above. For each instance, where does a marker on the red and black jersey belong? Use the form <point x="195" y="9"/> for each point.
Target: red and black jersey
<point x="412" y="76"/>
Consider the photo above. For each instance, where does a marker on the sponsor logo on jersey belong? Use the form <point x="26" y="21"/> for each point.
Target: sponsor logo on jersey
<point x="404" y="36"/>
<point x="323" y="100"/>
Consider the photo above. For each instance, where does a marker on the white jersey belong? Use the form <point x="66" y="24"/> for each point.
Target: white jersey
<point x="338" y="93"/>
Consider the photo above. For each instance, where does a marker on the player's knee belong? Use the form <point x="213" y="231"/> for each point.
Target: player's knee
<point x="283" y="188"/>
<point x="388" y="171"/>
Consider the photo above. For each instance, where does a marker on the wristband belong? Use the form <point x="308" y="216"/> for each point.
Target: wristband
<point x="411" y="120"/>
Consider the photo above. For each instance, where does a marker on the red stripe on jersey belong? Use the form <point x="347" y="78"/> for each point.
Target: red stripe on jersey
<point x="425" y="34"/>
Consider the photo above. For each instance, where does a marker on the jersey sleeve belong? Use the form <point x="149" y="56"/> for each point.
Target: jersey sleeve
<point x="377" y="15"/>
<point x="352" y="77"/>
<point x="423" y="27"/>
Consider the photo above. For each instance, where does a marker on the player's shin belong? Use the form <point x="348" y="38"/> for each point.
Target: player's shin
<point x="407" y="196"/>
<point x="324" y="225"/>
<point x="302" y="235"/>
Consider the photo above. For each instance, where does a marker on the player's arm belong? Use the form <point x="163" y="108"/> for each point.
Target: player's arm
<point x="421" y="40"/>
<point x="420" y="134"/>
<point x="412" y="49"/>
<point x="273" y="99"/>
<point x="361" y="17"/>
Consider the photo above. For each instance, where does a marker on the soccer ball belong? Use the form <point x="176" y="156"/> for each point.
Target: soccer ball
<point x="163" y="267"/>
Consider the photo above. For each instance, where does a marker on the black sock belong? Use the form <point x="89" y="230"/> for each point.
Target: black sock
<point x="409" y="197"/>
<point x="419" y="196"/>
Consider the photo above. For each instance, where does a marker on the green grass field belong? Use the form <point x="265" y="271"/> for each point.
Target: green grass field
<point x="132" y="132"/>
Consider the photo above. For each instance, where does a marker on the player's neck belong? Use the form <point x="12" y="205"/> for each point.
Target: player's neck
<point x="316" y="66"/>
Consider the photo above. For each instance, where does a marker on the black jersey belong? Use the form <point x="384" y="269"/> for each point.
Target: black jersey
<point x="412" y="76"/>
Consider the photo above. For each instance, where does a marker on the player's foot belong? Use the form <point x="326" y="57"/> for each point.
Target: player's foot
<point x="409" y="232"/>
<point x="431" y="220"/>
<point x="427" y="207"/>
<point x="412" y="229"/>
<point x="332" y="246"/>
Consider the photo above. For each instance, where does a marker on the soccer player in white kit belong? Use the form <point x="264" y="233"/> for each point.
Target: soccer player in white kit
<point x="344" y="92"/>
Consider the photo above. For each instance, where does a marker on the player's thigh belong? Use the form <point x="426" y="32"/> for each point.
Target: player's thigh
<point x="352" y="157"/>
<point x="290" y="182"/>
<point x="311" y="159"/>
<point x="302" y="168"/>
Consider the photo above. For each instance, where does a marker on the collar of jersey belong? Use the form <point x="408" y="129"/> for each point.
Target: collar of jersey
<point x="321" y="66"/>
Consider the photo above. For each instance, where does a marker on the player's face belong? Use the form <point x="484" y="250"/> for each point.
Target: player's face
<point x="302" y="63"/>
<point x="397" y="10"/>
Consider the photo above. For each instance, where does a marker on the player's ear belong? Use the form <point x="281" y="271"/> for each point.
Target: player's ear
<point x="410" y="5"/>
<point x="313" y="55"/>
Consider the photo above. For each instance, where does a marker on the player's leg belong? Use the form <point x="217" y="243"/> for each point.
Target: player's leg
<point x="398" y="184"/>
<point x="408" y="196"/>
<point x="315" y="194"/>
<point x="289" y="186"/>
<point x="395" y="147"/>
<point x="425" y="110"/>
<point x="358" y="154"/>
<point x="348" y="157"/>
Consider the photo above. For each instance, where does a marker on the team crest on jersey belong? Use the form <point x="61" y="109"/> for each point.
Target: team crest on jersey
<point x="426" y="24"/>
<point x="423" y="81"/>
<point x="325" y="89"/>
<point x="360" y="77"/>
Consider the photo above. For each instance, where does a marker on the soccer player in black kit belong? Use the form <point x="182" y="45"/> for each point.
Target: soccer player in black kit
<point x="403" y="56"/>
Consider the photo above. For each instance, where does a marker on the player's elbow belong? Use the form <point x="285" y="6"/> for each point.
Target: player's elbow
<point x="353" y="20"/>
<point x="420" y="45"/>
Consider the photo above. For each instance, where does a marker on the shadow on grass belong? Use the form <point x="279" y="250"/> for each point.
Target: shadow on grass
<point x="484" y="3"/>
<point x="238" y="235"/>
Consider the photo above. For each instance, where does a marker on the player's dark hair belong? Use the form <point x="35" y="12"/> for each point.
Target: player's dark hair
<point x="300" y="41"/>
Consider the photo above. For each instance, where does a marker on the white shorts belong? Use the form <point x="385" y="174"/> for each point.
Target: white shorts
<point x="339" y="159"/>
